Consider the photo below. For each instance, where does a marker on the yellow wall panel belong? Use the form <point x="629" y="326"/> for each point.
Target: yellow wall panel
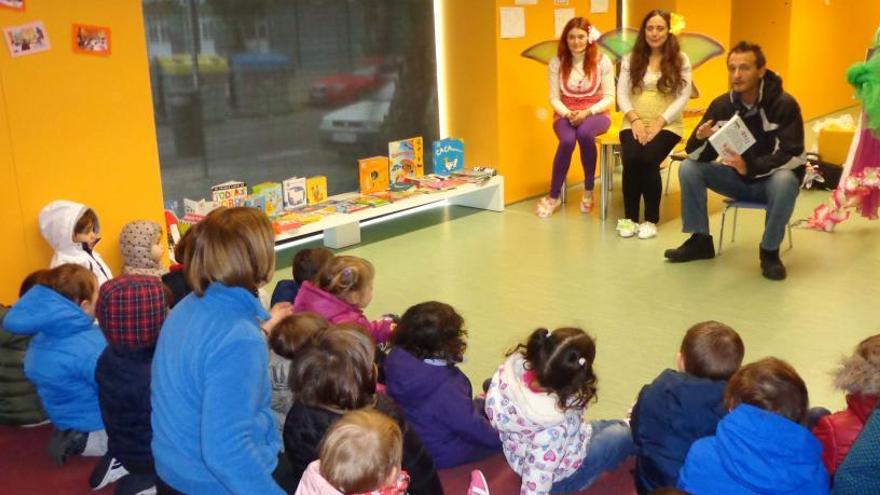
<point x="767" y="23"/>
<point x="14" y="250"/>
<point x="711" y="77"/>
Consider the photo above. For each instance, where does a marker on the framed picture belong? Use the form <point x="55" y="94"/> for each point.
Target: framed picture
<point x="91" y="40"/>
<point x="12" y="4"/>
<point x="26" y="39"/>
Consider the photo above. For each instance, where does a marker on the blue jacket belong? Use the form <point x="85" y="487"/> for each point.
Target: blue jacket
<point x="285" y="291"/>
<point x="62" y="356"/>
<point x="674" y="411"/>
<point x="858" y="473"/>
<point x="213" y="427"/>
<point x="438" y="403"/>
<point x="755" y="452"/>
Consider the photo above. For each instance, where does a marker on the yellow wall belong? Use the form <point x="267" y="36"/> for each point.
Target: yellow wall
<point x="711" y="77"/>
<point x="75" y="127"/>
<point x="767" y="23"/>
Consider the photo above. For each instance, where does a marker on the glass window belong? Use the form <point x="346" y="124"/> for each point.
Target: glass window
<point x="284" y="89"/>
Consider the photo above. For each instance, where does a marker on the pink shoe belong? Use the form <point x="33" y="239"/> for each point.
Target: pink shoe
<point x="478" y="485"/>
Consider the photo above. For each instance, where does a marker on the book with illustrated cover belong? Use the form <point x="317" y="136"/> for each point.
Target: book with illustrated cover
<point x="231" y="193"/>
<point x="272" y="192"/>
<point x="406" y="158"/>
<point x="372" y="199"/>
<point x="732" y="134"/>
<point x="373" y="174"/>
<point x="257" y="201"/>
<point x="316" y="189"/>
<point x="294" y="192"/>
<point x="448" y="156"/>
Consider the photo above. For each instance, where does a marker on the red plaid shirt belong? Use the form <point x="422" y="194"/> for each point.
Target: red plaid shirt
<point x="131" y="310"/>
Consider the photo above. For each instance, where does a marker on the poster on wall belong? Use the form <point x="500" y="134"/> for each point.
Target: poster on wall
<point x="560" y="19"/>
<point x="513" y="22"/>
<point x="12" y="4"/>
<point x="26" y="39"/>
<point x="91" y="40"/>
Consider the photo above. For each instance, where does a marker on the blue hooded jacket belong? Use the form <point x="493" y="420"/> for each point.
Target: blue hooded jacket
<point x="755" y="452"/>
<point x="62" y="356"/>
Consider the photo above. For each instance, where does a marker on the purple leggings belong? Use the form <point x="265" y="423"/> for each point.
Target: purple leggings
<point x="584" y="135"/>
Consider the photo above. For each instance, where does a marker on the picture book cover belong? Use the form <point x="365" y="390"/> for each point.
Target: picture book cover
<point x="448" y="156"/>
<point x="272" y="192"/>
<point x="406" y="158"/>
<point x="257" y="201"/>
<point x="231" y="193"/>
<point x="294" y="191"/>
<point x="373" y="174"/>
<point x="316" y="189"/>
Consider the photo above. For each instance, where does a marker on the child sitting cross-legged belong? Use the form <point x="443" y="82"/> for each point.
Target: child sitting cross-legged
<point x="422" y="377"/>
<point x="306" y="265"/>
<point x="680" y="407"/>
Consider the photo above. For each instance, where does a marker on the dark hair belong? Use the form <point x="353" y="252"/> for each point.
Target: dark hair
<point x="293" y="331"/>
<point x="183" y="248"/>
<point x="334" y="370"/>
<point x="308" y="262"/>
<point x="771" y="384"/>
<point x="745" y="46"/>
<point x="563" y="363"/>
<point x="87" y="222"/>
<point x="431" y="330"/>
<point x="35" y="278"/>
<point x="591" y="55"/>
<point x="74" y="282"/>
<point x="670" y="66"/>
<point x="712" y="350"/>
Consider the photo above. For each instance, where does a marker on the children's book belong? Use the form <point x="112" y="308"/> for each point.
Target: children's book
<point x="200" y="207"/>
<point x="257" y="201"/>
<point x="372" y="200"/>
<point x="448" y="156"/>
<point x="231" y="193"/>
<point x="406" y="158"/>
<point x="272" y="193"/>
<point x="732" y="134"/>
<point x="316" y="189"/>
<point x="373" y="174"/>
<point x="294" y="191"/>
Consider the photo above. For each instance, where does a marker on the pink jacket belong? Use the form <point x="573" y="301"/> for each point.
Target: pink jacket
<point x="312" y="483"/>
<point x="311" y="298"/>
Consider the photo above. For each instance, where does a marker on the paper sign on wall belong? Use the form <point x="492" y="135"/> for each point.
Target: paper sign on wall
<point x="513" y="22"/>
<point x="560" y="19"/>
<point x="598" y="6"/>
<point x="526" y="2"/>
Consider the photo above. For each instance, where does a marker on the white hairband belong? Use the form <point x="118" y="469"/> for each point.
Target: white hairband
<point x="593" y="35"/>
<point x="582" y="362"/>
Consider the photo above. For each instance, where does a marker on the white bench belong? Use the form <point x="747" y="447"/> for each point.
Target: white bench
<point x="344" y="229"/>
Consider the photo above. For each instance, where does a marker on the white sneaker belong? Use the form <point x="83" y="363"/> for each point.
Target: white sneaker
<point x="627" y="228"/>
<point x="647" y="230"/>
<point x="107" y="471"/>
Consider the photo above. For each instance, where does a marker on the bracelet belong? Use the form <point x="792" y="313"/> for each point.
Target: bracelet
<point x="633" y="121"/>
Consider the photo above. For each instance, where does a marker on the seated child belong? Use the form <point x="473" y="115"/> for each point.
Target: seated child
<point x="19" y="402"/>
<point x="175" y="279"/>
<point x="536" y="401"/>
<point x="285" y="338"/>
<point x="72" y="231"/>
<point x="59" y="312"/>
<point x="858" y="474"/>
<point x="334" y="373"/>
<point x="360" y="454"/>
<point x="343" y="289"/>
<point x="760" y="447"/>
<point x="141" y="245"/>
<point x="131" y="310"/>
<point x="859" y="377"/>
<point x="436" y="396"/>
<point x="306" y="265"/>
<point x="680" y="407"/>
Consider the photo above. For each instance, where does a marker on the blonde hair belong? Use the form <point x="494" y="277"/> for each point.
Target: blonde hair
<point x="343" y="276"/>
<point x="361" y="451"/>
<point x="234" y="246"/>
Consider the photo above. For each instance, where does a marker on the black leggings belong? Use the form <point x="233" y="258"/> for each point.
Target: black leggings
<point x="641" y="172"/>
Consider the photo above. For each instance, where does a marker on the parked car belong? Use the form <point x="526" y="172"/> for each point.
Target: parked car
<point x="358" y="126"/>
<point x="344" y="88"/>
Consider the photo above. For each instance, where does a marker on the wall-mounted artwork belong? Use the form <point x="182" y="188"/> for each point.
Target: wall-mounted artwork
<point x="26" y="39"/>
<point x="91" y="40"/>
<point x="12" y="4"/>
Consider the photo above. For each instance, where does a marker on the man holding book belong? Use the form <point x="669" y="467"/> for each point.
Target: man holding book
<point x="763" y="164"/>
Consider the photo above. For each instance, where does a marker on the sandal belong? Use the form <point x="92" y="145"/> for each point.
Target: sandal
<point x="546" y="206"/>
<point x="587" y="203"/>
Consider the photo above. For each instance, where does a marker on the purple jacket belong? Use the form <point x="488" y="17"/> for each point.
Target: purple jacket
<point x="438" y="403"/>
<point x="311" y="298"/>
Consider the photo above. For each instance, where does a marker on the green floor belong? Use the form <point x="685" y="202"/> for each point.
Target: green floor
<point x="509" y="273"/>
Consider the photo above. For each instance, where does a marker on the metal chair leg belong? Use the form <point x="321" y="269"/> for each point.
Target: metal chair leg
<point x="735" y="214"/>
<point x="790" y="241"/>
<point x="721" y="236"/>
<point x="668" y="176"/>
<point x="563" y="193"/>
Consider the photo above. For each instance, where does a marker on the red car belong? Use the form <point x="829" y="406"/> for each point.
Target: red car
<point x="345" y="88"/>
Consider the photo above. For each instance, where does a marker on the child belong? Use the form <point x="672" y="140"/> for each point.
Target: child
<point x="536" y="401"/>
<point x="858" y="474"/>
<point x="680" y="407"/>
<point x="72" y="231"/>
<point x="131" y="310"/>
<point x="334" y="373"/>
<point x="343" y="289"/>
<point x="306" y="265"/>
<point x="59" y="312"/>
<point x="141" y="245"/>
<point x="288" y="336"/>
<point x="436" y="396"/>
<point x="360" y="454"/>
<point x="175" y="279"/>
<point x="859" y="377"/>
<point x="760" y="446"/>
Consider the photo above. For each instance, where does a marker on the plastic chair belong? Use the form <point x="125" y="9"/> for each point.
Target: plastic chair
<point x="736" y="205"/>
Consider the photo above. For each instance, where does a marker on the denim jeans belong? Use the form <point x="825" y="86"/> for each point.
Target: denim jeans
<point x="610" y="445"/>
<point x="779" y="191"/>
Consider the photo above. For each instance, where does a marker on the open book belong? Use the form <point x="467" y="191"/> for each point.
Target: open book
<point x="734" y="134"/>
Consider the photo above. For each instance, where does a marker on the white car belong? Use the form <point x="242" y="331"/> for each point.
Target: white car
<point x="358" y="126"/>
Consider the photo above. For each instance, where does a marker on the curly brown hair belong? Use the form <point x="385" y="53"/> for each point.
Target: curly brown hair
<point x="670" y="81"/>
<point x="431" y="330"/>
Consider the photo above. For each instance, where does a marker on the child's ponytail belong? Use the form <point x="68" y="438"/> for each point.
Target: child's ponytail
<point x="345" y="275"/>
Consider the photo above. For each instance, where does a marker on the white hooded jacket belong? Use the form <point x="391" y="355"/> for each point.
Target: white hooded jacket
<point x="57" y="220"/>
